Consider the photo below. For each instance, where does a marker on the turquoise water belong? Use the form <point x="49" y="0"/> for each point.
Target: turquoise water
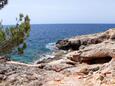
<point x="42" y="38"/>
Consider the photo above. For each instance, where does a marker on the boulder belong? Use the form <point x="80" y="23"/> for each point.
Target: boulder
<point x="66" y="44"/>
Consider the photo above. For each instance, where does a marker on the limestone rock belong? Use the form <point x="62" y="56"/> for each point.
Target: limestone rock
<point x="66" y="44"/>
<point x="91" y="62"/>
<point x="75" y="42"/>
<point x="104" y="51"/>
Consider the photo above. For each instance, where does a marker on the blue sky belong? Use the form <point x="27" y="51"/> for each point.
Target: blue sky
<point x="60" y="11"/>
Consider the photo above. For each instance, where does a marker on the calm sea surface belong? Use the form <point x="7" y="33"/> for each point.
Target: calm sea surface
<point x="42" y="37"/>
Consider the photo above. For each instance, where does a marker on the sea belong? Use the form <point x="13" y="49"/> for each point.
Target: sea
<point x="44" y="36"/>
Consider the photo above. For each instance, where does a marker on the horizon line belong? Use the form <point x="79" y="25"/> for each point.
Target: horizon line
<point x="60" y="23"/>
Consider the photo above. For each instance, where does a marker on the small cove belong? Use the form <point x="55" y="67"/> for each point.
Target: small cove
<point x="44" y="36"/>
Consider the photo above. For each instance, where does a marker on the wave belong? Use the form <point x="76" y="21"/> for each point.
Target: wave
<point x="44" y="57"/>
<point x="51" y="46"/>
<point x="48" y="55"/>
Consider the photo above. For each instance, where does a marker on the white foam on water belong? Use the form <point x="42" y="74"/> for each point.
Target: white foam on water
<point x="51" y="46"/>
<point x="44" y="57"/>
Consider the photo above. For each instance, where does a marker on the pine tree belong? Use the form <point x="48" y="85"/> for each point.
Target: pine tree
<point x="13" y="38"/>
<point x="3" y="3"/>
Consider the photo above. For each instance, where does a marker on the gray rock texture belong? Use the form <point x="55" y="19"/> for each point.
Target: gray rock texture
<point x="89" y="61"/>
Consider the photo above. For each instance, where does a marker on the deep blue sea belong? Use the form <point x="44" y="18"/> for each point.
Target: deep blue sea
<point x="43" y="36"/>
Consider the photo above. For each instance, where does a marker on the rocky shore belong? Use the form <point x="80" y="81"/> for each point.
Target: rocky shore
<point x="87" y="60"/>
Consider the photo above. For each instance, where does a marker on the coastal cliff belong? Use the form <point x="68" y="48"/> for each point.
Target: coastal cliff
<point x="87" y="60"/>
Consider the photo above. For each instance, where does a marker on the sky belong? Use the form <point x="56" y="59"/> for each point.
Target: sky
<point x="60" y="11"/>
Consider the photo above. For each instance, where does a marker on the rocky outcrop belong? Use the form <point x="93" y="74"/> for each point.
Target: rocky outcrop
<point x="20" y="74"/>
<point x="75" y="42"/>
<point x="99" y="52"/>
<point x="94" y="52"/>
<point x="66" y="44"/>
<point x="91" y="62"/>
<point x="63" y="72"/>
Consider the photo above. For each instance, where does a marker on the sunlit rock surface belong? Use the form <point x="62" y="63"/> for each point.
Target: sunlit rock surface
<point x="92" y="63"/>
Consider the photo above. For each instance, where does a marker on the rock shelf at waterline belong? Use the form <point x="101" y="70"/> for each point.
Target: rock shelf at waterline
<point x="87" y="60"/>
